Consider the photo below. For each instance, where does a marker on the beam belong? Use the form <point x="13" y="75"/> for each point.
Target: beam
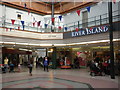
<point x="40" y="7"/>
<point x="58" y="4"/>
<point x="21" y="7"/>
<point x="52" y="16"/>
<point x="112" y="71"/>
<point x="43" y="3"/>
<point x="71" y="7"/>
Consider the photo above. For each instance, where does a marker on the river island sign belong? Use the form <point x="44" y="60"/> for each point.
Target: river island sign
<point x="90" y="31"/>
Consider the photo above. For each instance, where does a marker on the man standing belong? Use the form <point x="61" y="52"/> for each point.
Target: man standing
<point x="46" y="63"/>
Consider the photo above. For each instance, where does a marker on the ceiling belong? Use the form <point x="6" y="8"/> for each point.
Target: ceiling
<point x="43" y="7"/>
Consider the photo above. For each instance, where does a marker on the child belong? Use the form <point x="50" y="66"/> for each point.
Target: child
<point x="19" y="67"/>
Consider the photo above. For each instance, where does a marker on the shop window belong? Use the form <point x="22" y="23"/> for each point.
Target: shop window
<point x="19" y="16"/>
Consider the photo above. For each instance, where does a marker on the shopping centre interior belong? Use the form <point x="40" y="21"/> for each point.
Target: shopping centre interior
<point x="73" y="34"/>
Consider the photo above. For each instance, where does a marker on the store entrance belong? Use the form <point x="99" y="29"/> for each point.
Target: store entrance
<point x="15" y="56"/>
<point x="80" y="57"/>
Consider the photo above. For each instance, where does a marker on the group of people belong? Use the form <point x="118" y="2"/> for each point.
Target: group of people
<point x="45" y="64"/>
<point x="99" y="66"/>
<point x="9" y="65"/>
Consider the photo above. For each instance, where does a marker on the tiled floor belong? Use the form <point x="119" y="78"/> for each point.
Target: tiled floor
<point x="59" y="78"/>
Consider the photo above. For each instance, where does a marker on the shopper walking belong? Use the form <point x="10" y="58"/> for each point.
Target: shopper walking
<point x="46" y="63"/>
<point x="30" y="66"/>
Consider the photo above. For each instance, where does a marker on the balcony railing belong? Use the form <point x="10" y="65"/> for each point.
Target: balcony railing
<point x="93" y="21"/>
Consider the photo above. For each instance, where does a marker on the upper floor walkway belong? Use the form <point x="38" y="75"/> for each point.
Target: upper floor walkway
<point x="90" y="22"/>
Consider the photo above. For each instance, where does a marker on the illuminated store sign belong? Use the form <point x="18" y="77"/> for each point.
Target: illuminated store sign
<point x="87" y="31"/>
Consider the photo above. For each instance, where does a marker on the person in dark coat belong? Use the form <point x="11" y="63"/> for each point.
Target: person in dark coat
<point x="11" y="67"/>
<point x="39" y="61"/>
<point x="30" y="66"/>
<point x="76" y="62"/>
<point x="46" y="63"/>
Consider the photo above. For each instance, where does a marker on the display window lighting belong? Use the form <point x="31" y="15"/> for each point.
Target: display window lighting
<point x="10" y="48"/>
<point x="60" y="44"/>
<point x="45" y="44"/>
<point x="30" y="50"/>
<point x="23" y="49"/>
<point x="9" y="42"/>
<point x="51" y="50"/>
<point x="22" y="43"/>
<point x="91" y="42"/>
<point x="34" y="44"/>
<point x="116" y="39"/>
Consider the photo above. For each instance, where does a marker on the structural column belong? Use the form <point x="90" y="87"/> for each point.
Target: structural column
<point x="52" y="16"/>
<point x="112" y="71"/>
<point x="3" y="15"/>
<point x="46" y="52"/>
<point x="54" y="58"/>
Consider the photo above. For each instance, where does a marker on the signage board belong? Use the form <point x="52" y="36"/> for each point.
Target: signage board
<point x="87" y="31"/>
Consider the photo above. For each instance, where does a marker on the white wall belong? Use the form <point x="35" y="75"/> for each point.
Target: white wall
<point x="96" y="10"/>
<point x="119" y="9"/>
<point x="0" y="10"/>
<point x="0" y="15"/>
<point x="11" y="13"/>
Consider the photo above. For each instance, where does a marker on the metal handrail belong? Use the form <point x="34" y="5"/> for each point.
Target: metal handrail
<point x="92" y="21"/>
